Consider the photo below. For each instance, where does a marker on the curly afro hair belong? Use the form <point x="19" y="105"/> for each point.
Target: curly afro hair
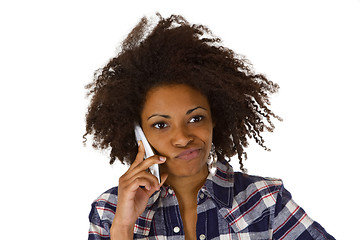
<point x="175" y="52"/>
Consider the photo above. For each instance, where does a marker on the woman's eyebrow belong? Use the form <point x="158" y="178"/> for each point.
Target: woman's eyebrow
<point x="193" y="109"/>
<point x="167" y="116"/>
<point x="159" y="115"/>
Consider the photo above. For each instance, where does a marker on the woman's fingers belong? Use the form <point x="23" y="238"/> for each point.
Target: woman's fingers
<point x="139" y="160"/>
<point x="140" y="156"/>
<point x="140" y="165"/>
<point x="135" y="188"/>
<point x="142" y="179"/>
<point x="144" y="165"/>
<point x="163" y="178"/>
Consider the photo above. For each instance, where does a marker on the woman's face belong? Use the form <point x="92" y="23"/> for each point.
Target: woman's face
<point x="177" y="122"/>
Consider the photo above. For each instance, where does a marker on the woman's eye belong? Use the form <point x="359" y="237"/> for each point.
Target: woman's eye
<point x="196" y="119"/>
<point x="160" y="125"/>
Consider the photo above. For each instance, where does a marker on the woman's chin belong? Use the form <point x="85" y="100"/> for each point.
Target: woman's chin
<point x="187" y="171"/>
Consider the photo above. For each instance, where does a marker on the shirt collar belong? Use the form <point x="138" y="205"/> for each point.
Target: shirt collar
<point x="218" y="185"/>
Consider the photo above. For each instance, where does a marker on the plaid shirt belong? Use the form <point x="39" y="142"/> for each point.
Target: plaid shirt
<point x="230" y="206"/>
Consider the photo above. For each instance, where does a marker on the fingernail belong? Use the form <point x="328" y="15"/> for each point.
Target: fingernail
<point x="162" y="158"/>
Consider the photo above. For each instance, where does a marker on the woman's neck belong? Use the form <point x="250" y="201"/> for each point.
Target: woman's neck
<point x="189" y="185"/>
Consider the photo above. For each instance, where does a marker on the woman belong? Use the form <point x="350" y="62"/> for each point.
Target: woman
<point x="198" y="103"/>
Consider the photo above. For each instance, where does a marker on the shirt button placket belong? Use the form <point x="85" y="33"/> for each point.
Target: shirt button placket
<point x="202" y="195"/>
<point x="202" y="237"/>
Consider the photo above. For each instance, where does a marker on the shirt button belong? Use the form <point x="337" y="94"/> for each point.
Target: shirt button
<point x="176" y="229"/>
<point x="202" y="237"/>
<point x="170" y="191"/>
<point x="202" y="195"/>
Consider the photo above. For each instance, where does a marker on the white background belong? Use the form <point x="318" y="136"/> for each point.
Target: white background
<point x="50" y="49"/>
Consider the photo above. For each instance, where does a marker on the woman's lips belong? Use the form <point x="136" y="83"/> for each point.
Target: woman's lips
<point x="189" y="154"/>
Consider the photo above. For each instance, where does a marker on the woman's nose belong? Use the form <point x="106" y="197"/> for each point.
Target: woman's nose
<point x="181" y="137"/>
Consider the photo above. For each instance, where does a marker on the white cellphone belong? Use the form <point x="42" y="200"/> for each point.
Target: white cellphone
<point x="139" y="135"/>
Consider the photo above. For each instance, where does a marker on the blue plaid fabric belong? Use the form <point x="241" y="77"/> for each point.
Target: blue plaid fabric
<point x="230" y="206"/>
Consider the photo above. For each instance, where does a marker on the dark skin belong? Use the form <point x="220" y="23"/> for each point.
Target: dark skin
<point x="177" y="122"/>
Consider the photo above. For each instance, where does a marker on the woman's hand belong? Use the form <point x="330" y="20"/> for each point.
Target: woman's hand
<point x="134" y="190"/>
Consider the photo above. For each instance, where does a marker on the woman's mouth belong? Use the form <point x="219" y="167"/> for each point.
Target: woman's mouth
<point x="189" y="154"/>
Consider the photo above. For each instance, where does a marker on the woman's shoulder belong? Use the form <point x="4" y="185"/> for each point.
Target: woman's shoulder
<point x="102" y="214"/>
<point x="248" y="179"/>
<point x="245" y="185"/>
<point x="107" y="199"/>
<point x="249" y="185"/>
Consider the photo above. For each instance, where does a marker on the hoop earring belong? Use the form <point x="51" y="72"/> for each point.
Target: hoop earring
<point x="212" y="159"/>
